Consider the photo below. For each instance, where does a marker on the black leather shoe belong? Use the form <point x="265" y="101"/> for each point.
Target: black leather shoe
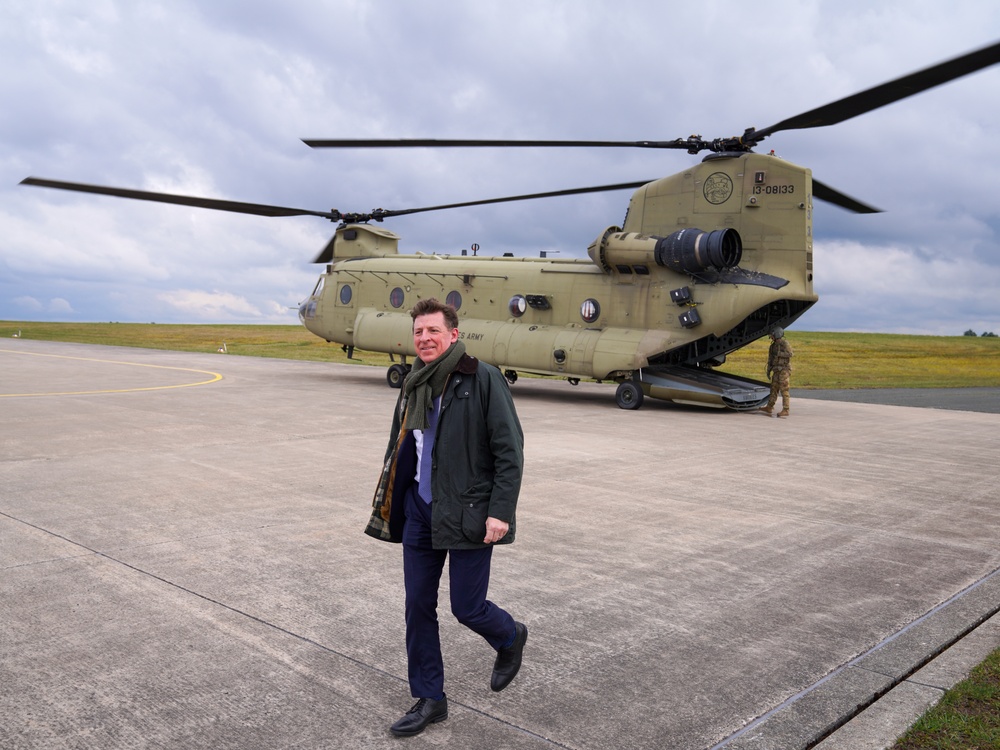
<point x="425" y="711"/>
<point x="509" y="659"/>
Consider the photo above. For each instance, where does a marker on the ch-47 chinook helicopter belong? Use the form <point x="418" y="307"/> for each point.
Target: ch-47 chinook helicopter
<point x="706" y="261"/>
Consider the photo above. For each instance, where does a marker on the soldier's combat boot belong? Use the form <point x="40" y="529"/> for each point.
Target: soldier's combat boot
<point x="783" y="413"/>
<point x="769" y="410"/>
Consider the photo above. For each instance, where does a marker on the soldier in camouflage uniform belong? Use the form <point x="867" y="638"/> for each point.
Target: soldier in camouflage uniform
<point x="779" y="370"/>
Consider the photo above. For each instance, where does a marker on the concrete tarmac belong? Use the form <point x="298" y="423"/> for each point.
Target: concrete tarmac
<point x="986" y="400"/>
<point x="183" y="565"/>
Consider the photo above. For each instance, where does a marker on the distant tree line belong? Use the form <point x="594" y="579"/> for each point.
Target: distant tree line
<point x="986" y="334"/>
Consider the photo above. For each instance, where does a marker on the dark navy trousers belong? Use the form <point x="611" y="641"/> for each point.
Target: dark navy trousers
<point x="469" y="579"/>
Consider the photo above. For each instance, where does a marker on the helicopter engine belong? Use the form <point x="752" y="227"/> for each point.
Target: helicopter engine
<point x="684" y="251"/>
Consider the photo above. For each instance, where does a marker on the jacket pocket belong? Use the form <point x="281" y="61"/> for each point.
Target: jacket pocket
<point x="474" y="514"/>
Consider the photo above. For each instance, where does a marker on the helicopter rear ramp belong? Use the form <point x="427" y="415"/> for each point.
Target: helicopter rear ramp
<point x="683" y="384"/>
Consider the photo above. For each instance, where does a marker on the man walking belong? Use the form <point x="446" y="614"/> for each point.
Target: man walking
<point x="449" y="489"/>
<point x="779" y="371"/>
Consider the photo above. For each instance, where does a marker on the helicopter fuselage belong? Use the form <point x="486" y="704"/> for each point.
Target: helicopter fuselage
<point x="707" y="261"/>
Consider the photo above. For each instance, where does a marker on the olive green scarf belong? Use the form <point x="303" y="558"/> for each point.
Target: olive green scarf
<point x="425" y="383"/>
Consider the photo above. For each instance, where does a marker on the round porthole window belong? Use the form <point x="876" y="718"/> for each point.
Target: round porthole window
<point x="345" y="294"/>
<point x="517" y="305"/>
<point x="454" y="299"/>
<point x="590" y="310"/>
<point x="396" y="297"/>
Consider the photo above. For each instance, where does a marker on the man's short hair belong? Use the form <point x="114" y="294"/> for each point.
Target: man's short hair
<point x="430" y="306"/>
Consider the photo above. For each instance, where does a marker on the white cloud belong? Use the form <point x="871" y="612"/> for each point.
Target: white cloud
<point x="59" y="306"/>
<point x="912" y="291"/>
<point x="27" y="304"/>
<point x="206" y="306"/>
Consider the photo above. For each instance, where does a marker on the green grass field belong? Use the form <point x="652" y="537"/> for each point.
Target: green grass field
<point x="822" y="360"/>
<point x="966" y="718"/>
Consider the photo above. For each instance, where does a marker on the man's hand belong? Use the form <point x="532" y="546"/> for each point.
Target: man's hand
<point x="495" y="530"/>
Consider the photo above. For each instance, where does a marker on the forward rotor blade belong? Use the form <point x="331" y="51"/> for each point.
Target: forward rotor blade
<point x="821" y="191"/>
<point x="824" y="192"/>
<point x="326" y="254"/>
<point x="257" y="209"/>
<point x="380" y="214"/>
<point x="887" y="93"/>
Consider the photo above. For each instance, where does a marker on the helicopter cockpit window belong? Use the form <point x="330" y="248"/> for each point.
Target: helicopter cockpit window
<point x="346" y="293"/>
<point x="517" y="305"/>
<point x="396" y="297"/>
<point x="590" y="310"/>
<point x="454" y="299"/>
<point x="307" y="310"/>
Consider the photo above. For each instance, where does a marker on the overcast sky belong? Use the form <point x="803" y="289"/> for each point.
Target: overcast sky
<point x="212" y="97"/>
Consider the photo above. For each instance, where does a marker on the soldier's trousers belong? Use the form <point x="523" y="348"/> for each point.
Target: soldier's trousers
<point x="779" y="384"/>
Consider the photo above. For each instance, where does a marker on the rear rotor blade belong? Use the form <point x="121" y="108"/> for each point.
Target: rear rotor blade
<point x="829" y="114"/>
<point x="484" y="143"/>
<point x="887" y="93"/>
<point x="257" y="209"/>
<point x="824" y="192"/>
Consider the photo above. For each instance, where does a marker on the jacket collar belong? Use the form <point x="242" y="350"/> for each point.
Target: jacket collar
<point x="467" y="365"/>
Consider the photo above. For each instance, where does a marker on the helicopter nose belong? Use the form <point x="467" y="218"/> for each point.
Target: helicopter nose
<point x="307" y="310"/>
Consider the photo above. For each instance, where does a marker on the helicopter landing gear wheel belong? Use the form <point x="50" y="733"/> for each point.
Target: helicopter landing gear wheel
<point x="395" y="374"/>
<point x="573" y="381"/>
<point x="628" y="395"/>
<point x="511" y="376"/>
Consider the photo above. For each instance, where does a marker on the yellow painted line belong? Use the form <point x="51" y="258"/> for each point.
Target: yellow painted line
<point x="215" y="376"/>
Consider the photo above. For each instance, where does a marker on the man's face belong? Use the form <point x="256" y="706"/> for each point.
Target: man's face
<point x="432" y="337"/>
